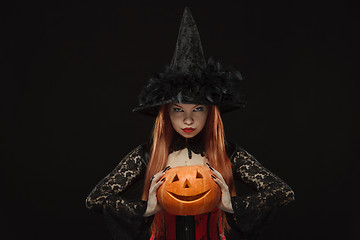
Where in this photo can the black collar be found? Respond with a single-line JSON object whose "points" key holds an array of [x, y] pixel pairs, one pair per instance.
{"points": [[195, 144]]}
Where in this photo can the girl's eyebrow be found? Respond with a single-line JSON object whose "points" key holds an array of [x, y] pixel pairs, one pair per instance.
{"points": [[181, 107], [177, 105]]}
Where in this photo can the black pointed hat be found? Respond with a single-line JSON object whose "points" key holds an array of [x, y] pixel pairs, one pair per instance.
{"points": [[188, 56], [190, 79]]}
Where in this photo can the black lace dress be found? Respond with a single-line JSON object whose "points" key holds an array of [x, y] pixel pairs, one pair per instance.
{"points": [[118, 195]]}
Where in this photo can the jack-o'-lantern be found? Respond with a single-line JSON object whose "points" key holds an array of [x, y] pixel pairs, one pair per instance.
{"points": [[188, 190]]}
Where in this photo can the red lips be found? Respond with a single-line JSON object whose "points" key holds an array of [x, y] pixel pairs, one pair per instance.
{"points": [[188, 130]]}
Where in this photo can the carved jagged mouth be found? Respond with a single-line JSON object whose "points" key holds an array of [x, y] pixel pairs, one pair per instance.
{"points": [[189, 198]]}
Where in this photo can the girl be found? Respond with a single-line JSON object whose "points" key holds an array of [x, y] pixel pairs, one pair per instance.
{"points": [[187, 100]]}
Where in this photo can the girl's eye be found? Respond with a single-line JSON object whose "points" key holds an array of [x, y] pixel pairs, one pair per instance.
{"points": [[178, 110], [198, 109]]}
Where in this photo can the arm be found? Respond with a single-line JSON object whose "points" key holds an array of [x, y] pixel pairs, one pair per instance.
{"points": [[108, 195], [251, 211]]}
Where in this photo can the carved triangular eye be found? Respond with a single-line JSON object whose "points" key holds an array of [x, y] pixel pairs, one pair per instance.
{"points": [[176, 178], [198, 175]]}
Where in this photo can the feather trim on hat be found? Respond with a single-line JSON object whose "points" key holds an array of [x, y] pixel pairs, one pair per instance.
{"points": [[214, 86]]}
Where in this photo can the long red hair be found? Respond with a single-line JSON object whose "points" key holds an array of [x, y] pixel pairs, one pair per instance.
{"points": [[214, 138]]}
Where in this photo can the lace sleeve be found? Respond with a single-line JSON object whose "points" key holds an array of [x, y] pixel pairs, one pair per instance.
{"points": [[108, 193], [252, 210]]}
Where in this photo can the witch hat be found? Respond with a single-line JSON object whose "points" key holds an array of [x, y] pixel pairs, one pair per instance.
{"points": [[190, 79], [189, 56]]}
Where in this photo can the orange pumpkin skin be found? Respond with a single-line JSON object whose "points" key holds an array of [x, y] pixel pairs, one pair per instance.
{"points": [[188, 190]]}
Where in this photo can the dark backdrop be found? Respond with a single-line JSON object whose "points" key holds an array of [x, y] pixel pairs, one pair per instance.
{"points": [[71, 73]]}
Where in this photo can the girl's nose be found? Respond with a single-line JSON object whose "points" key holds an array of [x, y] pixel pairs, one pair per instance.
{"points": [[188, 120]]}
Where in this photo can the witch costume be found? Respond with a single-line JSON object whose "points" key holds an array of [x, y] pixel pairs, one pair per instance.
{"points": [[190, 79]]}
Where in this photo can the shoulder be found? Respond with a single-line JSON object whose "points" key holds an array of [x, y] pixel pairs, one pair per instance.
{"points": [[235, 152], [233, 149], [142, 152], [138, 156]]}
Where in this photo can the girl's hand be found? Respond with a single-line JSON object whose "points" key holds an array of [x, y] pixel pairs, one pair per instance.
{"points": [[152, 203], [225, 201]]}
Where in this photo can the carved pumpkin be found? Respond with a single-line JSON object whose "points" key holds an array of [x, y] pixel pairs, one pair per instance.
{"points": [[188, 190]]}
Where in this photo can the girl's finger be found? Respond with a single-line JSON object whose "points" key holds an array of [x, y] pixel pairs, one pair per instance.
{"points": [[158, 175], [219, 182], [165, 169], [152, 178], [156, 178], [158, 184], [210, 167], [217, 174]]}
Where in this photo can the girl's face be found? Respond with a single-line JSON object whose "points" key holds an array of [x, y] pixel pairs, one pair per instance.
{"points": [[188, 119]]}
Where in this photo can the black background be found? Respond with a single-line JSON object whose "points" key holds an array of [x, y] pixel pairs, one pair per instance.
{"points": [[71, 73]]}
